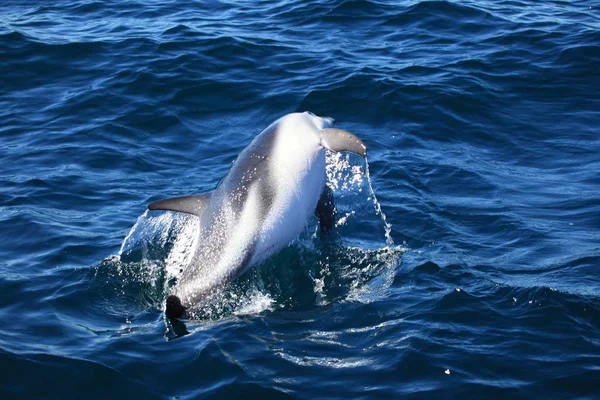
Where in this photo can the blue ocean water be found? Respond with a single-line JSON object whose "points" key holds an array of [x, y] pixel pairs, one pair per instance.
{"points": [[482, 122]]}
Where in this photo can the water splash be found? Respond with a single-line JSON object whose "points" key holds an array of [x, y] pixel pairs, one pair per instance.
{"points": [[344, 219], [185, 240], [169, 237], [377, 206], [241, 297], [344, 177], [129, 235], [254, 303], [365, 274], [341, 174], [355, 273]]}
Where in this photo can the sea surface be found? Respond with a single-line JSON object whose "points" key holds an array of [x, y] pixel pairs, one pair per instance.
{"points": [[465, 261]]}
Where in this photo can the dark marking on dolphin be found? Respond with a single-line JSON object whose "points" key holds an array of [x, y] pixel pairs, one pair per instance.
{"points": [[326, 210]]}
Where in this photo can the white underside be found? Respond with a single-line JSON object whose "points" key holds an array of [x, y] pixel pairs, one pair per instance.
{"points": [[295, 204], [295, 174]]}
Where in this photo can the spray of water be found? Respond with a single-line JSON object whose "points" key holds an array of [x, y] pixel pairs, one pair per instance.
{"points": [[342, 177], [128, 237], [377, 206], [367, 273]]}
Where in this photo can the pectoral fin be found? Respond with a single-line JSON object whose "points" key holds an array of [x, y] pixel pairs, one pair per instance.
{"points": [[340, 140], [326, 211], [186, 204]]}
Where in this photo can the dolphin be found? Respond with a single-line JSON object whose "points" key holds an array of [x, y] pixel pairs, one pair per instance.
{"points": [[276, 183]]}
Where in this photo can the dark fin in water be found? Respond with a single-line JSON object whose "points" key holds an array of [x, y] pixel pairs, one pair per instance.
{"points": [[186, 204], [340, 140], [326, 211], [174, 309], [179, 329]]}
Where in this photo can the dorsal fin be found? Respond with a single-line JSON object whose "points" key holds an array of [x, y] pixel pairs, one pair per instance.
{"points": [[186, 204]]}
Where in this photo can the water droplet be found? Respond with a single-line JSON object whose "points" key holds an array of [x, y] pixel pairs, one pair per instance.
{"points": [[387, 226]]}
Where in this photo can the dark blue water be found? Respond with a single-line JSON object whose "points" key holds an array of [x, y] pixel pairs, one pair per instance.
{"points": [[482, 122]]}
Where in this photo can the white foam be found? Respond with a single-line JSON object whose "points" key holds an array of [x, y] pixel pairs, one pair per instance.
{"points": [[255, 303]]}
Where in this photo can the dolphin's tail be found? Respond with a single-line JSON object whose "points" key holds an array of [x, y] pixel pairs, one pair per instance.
{"points": [[175, 309]]}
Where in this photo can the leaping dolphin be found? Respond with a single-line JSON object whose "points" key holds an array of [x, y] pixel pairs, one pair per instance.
{"points": [[261, 205]]}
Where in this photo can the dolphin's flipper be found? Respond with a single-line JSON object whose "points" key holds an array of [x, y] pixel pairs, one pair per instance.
{"points": [[340, 140], [174, 309], [326, 210], [186, 204]]}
